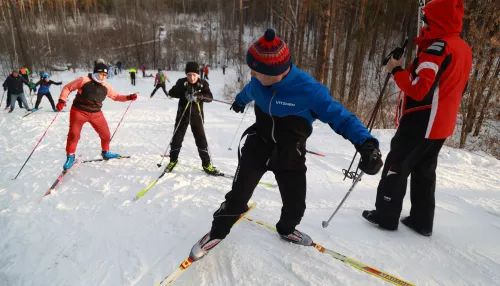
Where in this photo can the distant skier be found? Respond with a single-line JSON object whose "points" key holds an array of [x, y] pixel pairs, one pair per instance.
{"points": [[433, 86], [25, 72], [287, 102], [160, 79], [132, 73], [192, 92], [44, 90], [92, 91], [205, 70], [143, 69], [15, 92], [32, 87], [119, 67], [224, 69], [202, 70]]}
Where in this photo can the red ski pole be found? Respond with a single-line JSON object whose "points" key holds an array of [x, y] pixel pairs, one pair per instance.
{"points": [[121, 120], [37, 144]]}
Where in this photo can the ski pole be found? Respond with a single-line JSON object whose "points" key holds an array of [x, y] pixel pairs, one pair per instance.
{"points": [[231, 144], [325, 223], [121, 120], [37, 144], [175, 131], [2, 97], [221, 101], [395, 54], [317, 154]]}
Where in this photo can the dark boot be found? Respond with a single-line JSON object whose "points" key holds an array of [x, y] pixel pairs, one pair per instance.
{"points": [[409, 223], [375, 218]]}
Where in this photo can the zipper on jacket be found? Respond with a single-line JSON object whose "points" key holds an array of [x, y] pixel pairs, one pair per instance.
{"points": [[270, 114]]}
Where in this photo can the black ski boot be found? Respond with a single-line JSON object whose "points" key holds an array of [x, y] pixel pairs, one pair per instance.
{"points": [[409, 223], [374, 217]]}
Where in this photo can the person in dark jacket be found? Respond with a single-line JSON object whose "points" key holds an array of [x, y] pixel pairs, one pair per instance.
{"points": [[132, 73], [192, 92], [287, 102], [427, 114], [14, 86], [44, 90]]}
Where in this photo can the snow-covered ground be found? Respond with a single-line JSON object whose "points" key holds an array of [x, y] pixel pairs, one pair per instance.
{"points": [[89, 232]]}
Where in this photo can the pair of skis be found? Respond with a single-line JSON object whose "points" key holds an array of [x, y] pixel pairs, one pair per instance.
{"points": [[166, 171], [77, 161], [347, 260]]}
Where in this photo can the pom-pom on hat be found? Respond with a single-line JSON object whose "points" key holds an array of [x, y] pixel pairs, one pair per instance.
{"points": [[192, 67], [269, 55]]}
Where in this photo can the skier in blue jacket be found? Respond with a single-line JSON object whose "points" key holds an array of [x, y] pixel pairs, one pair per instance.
{"points": [[287, 102], [44, 90]]}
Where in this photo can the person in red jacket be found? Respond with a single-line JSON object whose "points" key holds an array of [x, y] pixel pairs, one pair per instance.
{"points": [[92, 91], [427, 113]]}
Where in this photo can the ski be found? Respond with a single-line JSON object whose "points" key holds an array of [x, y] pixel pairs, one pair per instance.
{"points": [[59, 179], [232, 177], [347, 260], [101, 159], [145, 190], [31, 112], [189, 261]]}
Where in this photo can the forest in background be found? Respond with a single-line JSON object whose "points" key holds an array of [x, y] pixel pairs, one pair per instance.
{"points": [[340, 42]]}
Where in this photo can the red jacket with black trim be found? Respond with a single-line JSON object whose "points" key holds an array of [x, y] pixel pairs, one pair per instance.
{"points": [[434, 83]]}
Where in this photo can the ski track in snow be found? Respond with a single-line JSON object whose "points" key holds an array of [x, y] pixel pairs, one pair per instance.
{"points": [[90, 231]]}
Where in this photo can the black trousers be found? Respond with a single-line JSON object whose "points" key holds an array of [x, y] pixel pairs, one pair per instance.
{"points": [[39, 99], [409, 156], [288, 165], [19, 101], [162, 85], [194, 117], [132, 79]]}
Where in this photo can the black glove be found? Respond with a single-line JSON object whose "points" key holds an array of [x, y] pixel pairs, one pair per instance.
{"points": [[396, 54], [371, 158], [237, 108]]}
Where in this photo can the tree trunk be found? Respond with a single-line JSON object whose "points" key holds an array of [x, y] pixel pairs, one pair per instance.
{"points": [[321, 61], [493, 87]]}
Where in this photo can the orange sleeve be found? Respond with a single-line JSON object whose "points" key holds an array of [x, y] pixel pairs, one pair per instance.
{"points": [[113, 94], [72, 86]]}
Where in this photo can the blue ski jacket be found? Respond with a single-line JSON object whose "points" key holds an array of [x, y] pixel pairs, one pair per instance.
{"points": [[45, 86], [286, 110]]}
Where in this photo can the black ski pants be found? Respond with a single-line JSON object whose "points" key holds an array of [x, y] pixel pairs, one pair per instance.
{"points": [[132, 78], [39, 99], [257, 157], [415, 156], [162, 85], [19, 101], [194, 117]]}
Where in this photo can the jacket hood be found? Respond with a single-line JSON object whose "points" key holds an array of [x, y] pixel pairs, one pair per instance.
{"points": [[444, 18]]}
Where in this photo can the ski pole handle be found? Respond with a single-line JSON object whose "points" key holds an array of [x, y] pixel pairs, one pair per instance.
{"points": [[397, 53]]}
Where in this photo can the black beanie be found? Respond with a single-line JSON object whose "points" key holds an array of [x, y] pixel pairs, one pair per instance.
{"points": [[192, 67], [100, 67]]}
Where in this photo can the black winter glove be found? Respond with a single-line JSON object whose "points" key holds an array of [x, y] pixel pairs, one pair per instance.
{"points": [[237, 108], [371, 158]]}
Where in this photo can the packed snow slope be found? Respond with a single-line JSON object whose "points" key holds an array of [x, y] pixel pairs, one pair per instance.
{"points": [[90, 232]]}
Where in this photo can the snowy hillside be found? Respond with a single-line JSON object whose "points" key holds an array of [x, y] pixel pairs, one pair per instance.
{"points": [[90, 232]]}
